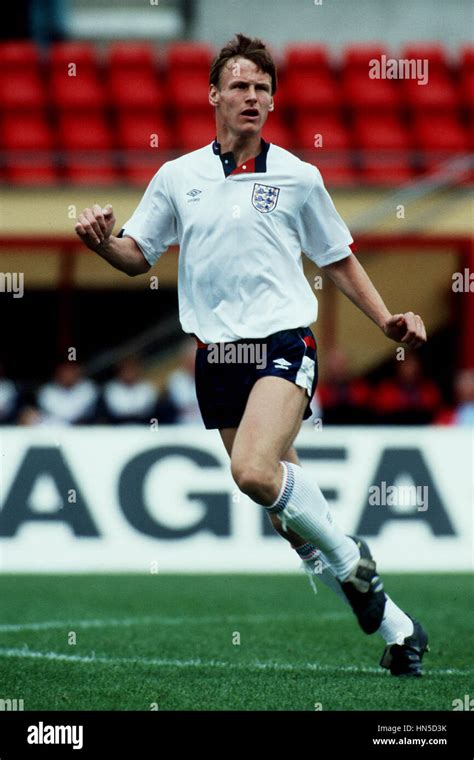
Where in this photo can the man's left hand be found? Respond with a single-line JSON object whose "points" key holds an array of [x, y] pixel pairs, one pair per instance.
{"points": [[406, 328]]}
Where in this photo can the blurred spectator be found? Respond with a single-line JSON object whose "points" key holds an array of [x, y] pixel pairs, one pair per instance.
{"points": [[409, 398], [71, 398], [9, 398], [128, 398], [181, 389], [30, 415], [463, 412], [344, 401]]}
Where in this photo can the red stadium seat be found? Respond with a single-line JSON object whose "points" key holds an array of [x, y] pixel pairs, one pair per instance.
{"points": [[440, 132], [307, 57], [135, 90], [80, 92], [84, 132], [384, 143], [137, 132], [434, 53], [440, 138], [275, 131], [381, 132], [132, 56], [30, 132], [194, 132], [467, 58], [189, 56], [467, 89], [438, 94], [19, 56], [82, 54], [188, 91], [22, 91], [320, 133], [357, 57], [309, 92], [326, 144], [361, 92], [136, 136]]}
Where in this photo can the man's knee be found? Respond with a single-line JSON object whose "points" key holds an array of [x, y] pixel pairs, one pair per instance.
{"points": [[254, 479]]}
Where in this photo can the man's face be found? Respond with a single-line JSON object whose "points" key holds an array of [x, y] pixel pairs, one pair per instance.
{"points": [[243, 98]]}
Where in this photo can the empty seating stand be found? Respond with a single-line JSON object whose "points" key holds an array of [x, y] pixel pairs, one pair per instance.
{"points": [[80, 114]]}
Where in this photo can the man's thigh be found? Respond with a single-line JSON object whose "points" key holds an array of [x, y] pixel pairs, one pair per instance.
{"points": [[228, 437], [271, 421]]}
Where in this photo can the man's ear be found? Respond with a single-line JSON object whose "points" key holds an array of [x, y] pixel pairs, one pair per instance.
{"points": [[272, 105], [212, 95]]}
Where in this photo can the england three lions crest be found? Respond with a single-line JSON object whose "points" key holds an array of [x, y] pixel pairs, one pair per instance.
{"points": [[265, 198]]}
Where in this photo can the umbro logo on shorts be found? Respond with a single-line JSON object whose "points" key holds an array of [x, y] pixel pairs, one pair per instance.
{"points": [[281, 363]]}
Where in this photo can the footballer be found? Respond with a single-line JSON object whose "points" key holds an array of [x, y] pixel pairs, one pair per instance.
{"points": [[243, 211]]}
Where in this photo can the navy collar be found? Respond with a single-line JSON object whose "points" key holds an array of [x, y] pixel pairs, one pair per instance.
{"points": [[228, 160]]}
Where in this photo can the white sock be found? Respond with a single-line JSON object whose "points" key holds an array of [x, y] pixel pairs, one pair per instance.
{"points": [[395, 626], [317, 567], [302, 507]]}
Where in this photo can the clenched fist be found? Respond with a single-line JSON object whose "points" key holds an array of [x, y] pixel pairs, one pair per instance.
{"points": [[94, 226], [406, 328]]}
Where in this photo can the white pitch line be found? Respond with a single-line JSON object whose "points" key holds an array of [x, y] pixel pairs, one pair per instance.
{"points": [[94, 659], [162, 620]]}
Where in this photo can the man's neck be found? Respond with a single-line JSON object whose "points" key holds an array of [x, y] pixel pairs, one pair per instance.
{"points": [[243, 148]]}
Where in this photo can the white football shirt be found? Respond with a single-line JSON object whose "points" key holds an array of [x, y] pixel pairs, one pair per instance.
{"points": [[241, 232]]}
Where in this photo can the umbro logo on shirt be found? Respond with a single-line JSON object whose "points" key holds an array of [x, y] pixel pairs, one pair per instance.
{"points": [[281, 363], [193, 193]]}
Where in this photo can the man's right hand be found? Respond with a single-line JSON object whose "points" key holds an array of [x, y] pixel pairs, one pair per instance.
{"points": [[94, 226]]}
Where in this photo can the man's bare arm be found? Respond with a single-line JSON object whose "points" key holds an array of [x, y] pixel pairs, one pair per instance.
{"points": [[94, 227], [351, 278]]}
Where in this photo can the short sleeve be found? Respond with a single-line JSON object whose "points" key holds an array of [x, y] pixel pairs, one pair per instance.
{"points": [[153, 223], [324, 236]]}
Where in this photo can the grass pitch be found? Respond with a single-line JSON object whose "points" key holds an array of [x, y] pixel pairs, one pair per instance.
{"points": [[216, 642]]}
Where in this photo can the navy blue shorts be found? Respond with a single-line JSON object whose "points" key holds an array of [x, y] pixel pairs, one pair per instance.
{"points": [[227, 372]]}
